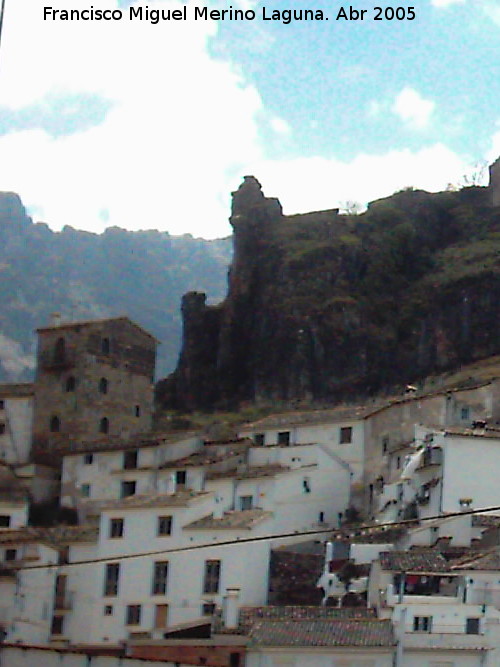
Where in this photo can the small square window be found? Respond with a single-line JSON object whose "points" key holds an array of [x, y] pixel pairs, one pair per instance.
{"points": [[4, 520], [472, 626], [246, 502], [108, 610], [208, 609], [133, 614], [345, 435], [128, 489], [10, 554], [115, 528], [284, 438], [88, 459], [422, 623], [259, 439], [164, 525]]}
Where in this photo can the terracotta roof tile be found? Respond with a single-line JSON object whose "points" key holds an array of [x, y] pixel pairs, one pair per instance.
{"points": [[323, 632], [179, 499], [413, 561], [244, 520]]}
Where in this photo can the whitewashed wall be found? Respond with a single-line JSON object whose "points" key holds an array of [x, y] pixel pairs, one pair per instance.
{"points": [[13, 656]]}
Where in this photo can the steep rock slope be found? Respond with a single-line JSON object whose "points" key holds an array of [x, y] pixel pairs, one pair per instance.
{"points": [[327, 307]]}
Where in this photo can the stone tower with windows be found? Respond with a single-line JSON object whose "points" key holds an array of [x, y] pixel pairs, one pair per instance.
{"points": [[94, 381]]}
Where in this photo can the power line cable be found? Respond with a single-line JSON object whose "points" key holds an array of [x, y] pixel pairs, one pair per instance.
{"points": [[350, 533]]}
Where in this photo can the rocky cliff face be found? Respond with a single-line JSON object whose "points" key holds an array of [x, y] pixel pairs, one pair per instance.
{"points": [[326, 307]]}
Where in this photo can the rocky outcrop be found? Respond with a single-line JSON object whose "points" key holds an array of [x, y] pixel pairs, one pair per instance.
{"points": [[327, 307]]}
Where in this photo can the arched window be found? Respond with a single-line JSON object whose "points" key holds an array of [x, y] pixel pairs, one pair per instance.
{"points": [[70, 384], [60, 350], [105, 346], [104, 425], [103, 386], [55, 424]]}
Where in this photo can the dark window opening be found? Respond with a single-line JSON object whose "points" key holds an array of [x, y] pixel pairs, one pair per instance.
{"points": [[164, 525], [116, 527], [70, 384], [88, 459], [137, 410], [133, 614], [128, 489], [246, 502], [105, 346], [55, 424], [208, 609], [284, 438], [103, 386], [112, 576], [321, 517], [180, 477], [385, 445], [57, 625], [160, 575], [2, 404], [60, 351], [212, 576], [306, 485], [472, 626], [104, 425], [10, 554], [464, 413], [234, 660], [2, 428], [130, 459], [422, 624], [259, 439], [85, 490], [108, 610], [345, 435]]}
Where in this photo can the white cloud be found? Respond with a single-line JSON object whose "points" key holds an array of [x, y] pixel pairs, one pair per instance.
{"points": [[413, 109], [308, 184]]}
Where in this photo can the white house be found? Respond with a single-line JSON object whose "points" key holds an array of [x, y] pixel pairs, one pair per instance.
{"points": [[16, 418]]}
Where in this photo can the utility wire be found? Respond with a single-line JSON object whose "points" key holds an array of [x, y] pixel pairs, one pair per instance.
{"points": [[339, 533]]}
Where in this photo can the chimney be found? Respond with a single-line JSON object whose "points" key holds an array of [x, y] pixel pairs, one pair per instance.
{"points": [[55, 319], [230, 608]]}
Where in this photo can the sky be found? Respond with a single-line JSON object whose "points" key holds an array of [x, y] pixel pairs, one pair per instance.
{"points": [[151, 126]]}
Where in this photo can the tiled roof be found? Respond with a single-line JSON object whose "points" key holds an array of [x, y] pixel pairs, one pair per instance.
{"points": [[251, 615], [484, 560], [86, 323], [199, 459], [16, 390], [488, 432], [244, 520], [333, 415], [413, 561], [323, 632], [57, 536], [270, 470], [179, 499], [486, 520], [110, 443]]}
